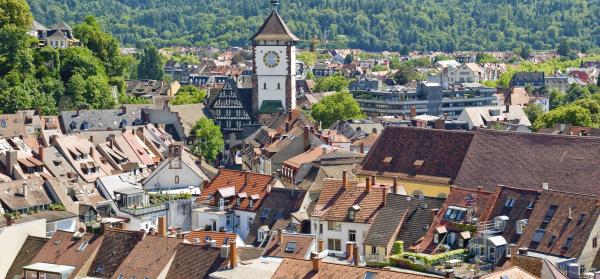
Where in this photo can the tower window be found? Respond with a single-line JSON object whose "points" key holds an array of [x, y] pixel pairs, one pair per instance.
{"points": [[265, 85], [278, 86]]}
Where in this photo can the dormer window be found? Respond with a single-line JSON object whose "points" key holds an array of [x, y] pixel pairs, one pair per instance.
{"points": [[510, 202], [251, 203], [455, 213], [352, 212], [521, 226]]}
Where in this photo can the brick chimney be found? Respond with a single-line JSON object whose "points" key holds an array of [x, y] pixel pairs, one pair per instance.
{"points": [[8, 220], [385, 191], [92, 139], [306, 137], [162, 226], [11, 161], [395, 185], [41, 153], [373, 181], [232, 254], [92, 152], [320, 245], [24, 191], [316, 262], [246, 178], [362, 148], [368, 184], [280, 236], [344, 179]]}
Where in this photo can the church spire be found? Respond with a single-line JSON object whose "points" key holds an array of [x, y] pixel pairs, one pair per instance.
{"points": [[275, 4]]}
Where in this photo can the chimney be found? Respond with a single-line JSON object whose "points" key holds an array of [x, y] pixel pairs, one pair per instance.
{"points": [[232, 254], [92, 151], [507, 109], [162, 226], [356, 255], [523, 251], [362, 148], [545, 186], [92, 139], [124, 109], [24, 192], [395, 185], [287, 126], [8, 220], [280, 236], [305, 135], [368, 184], [385, 190], [290, 116], [11, 161], [413, 111], [344, 179], [316, 262], [449, 273], [440, 124], [324, 149], [77, 112], [320, 245], [246, 178], [41, 153], [349, 248], [373, 183]]}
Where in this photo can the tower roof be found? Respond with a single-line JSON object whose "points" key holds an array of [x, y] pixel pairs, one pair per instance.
{"points": [[274, 29]]}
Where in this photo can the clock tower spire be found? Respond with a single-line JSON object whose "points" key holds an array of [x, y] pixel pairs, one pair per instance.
{"points": [[274, 65]]}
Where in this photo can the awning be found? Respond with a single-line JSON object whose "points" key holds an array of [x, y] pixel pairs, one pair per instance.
{"points": [[465, 235], [497, 240], [441, 230], [227, 192]]}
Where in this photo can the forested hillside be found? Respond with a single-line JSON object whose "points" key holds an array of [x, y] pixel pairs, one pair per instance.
{"points": [[368, 24]]}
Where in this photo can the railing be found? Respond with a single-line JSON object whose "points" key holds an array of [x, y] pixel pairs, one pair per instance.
{"points": [[145, 210], [210, 208]]}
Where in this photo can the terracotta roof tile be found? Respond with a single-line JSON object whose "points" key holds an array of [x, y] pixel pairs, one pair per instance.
{"points": [[256, 184], [149, 257], [295, 269], [441, 151], [297, 246], [195, 261], [203, 236], [574, 218], [334, 202], [115, 247]]}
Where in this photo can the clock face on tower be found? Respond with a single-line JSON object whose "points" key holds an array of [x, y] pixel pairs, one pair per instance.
{"points": [[271, 59]]}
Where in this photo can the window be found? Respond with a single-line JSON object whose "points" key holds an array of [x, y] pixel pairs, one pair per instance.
{"points": [[250, 220], [265, 213], [290, 247], [334, 244], [530, 205], [510, 203], [436, 238], [238, 201], [374, 250], [351, 214], [550, 213], [265, 85], [278, 86], [595, 242], [177, 179], [538, 235], [334, 226], [581, 218], [552, 241], [455, 213], [251, 203], [568, 243], [321, 228], [521, 226], [120, 276], [352, 235]]}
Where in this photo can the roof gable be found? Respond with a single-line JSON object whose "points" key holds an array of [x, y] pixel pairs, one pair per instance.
{"points": [[274, 29]]}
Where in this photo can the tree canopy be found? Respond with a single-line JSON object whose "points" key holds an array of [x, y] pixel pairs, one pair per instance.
{"points": [[208, 139], [331, 83], [188, 94], [372, 25], [339, 106], [150, 65]]}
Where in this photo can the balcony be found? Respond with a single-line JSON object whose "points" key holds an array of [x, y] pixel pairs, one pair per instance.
{"points": [[145, 210]]}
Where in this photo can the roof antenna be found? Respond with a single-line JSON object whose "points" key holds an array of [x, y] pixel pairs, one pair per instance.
{"points": [[275, 4]]}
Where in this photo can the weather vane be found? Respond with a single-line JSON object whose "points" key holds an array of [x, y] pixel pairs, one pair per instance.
{"points": [[275, 4]]}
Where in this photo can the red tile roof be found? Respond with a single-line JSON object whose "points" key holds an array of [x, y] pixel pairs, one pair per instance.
{"points": [[334, 202], [305, 244], [149, 257], [195, 261], [480, 201], [217, 236], [257, 184], [302, 269]]}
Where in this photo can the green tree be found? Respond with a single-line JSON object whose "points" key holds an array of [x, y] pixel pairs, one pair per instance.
{"points": [[74, 94], [348, 59], [570, 114], [15, 52], [14, 98], [486, 58], [102, 44], [309, 58], [16, 13], [339, 106], [150, 64], [188, 94], [557, 99], [335, 82], [564, 48], [97, 93], [80, 60], [525, 51], [406, 73], [576, 92], [533, 112], [208, 139]]}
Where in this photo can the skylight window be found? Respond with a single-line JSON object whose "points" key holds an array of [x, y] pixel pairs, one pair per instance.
{"points": [[455, 213], [510, 202], [539, 234], [291, 246], [550, 213], [568, 243], [82, 246]]}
